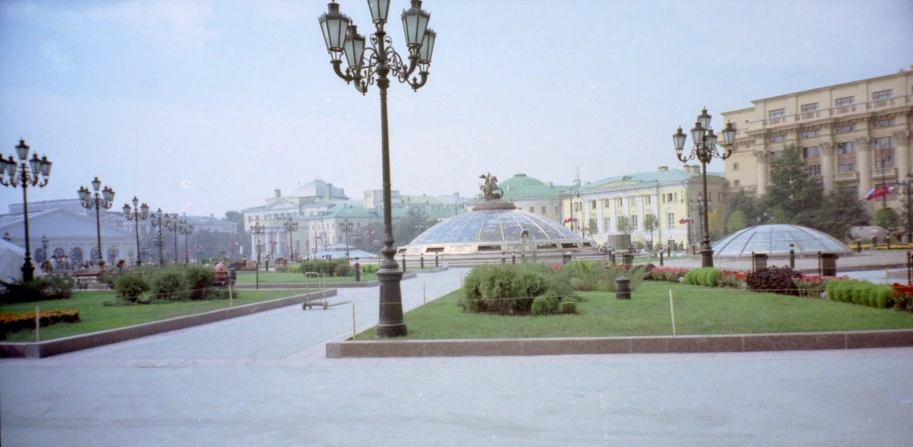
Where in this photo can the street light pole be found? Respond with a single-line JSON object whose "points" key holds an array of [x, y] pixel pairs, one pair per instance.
{"points": [[173, 225], [704, 150], [346, 228], [20, 174], [291, 226], [908, 183], [98, 201], [160, 220], [372, 65], [138, 213], [257, 229], [185, 229]]}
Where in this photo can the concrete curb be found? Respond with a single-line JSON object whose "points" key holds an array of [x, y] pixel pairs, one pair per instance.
{"points": [[623, 345], [95, 339]]}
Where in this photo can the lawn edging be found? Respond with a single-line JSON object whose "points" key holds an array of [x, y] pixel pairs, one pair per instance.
{"points": [[623, 345], [316, 285], [101, 338]]}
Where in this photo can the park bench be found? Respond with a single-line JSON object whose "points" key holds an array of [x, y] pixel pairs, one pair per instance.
{"points": [[84, 280]]}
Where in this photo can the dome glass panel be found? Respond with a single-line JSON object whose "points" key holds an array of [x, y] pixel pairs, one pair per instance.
{"points": [[775, 240]]}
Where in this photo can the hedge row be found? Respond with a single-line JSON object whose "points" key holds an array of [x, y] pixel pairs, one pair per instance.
{"points": [[861, 292], [704, 276], [18, 322], [193, 282], [516, 289], [333, 267]]}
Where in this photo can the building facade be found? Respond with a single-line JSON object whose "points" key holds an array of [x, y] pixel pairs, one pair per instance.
{"points": [[534, 196], [854, 136]]}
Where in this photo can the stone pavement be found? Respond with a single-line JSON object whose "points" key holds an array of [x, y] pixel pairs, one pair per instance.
{"points": [[262, 380]]}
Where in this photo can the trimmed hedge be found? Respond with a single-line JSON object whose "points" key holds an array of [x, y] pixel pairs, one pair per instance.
{"points": [[863, 293], [704, 276], [780, 280]]}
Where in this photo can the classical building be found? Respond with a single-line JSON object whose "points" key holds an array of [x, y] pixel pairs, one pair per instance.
{"points": [[854, 136], [534, 196], [620, 205]]}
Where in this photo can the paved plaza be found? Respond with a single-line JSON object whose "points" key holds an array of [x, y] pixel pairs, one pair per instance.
{"points": [[263, 380]]}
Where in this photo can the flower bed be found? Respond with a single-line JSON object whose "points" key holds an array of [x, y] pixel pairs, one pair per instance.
{"points": [[17, 322]]}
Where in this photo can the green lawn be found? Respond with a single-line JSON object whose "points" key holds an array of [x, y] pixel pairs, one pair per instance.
{"points": [[96, 317], [698, 311]]}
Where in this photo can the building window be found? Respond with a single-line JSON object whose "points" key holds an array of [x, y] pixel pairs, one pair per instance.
{"points": [[775, 155], [632, 202], [736, 183], [633, 223], [532, 210], [735, 166], [619, 202], [883, 122], [846, 166], [646, 200], [778, 113], [884, 153], [847, 147], [607, 224], [882, 94], [606, 203], [845, 129], [813, 170], [810, 133], [776, 138], [543, 210], [592, 204], [670, 220], [809, 107], [845, 101], [810, 152]]}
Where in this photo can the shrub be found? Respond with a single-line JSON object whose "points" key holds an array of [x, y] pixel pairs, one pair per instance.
{"points": [[568, 307], [200, 280], [774, 280], [167, 285], [543, 305], [342, 270], [513, 289], [130, 286], [48, 287], [370, 268]]}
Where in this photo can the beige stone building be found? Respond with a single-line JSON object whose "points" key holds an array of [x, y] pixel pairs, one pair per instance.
{"points": [[855, 136]]}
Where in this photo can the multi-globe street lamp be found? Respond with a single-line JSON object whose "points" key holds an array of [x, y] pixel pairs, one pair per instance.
{"points": [[160, 220], [346, 227], [257, 230], [290, 227], [173, 225], [136, 213], [105, 200], [370, 65], [35, 171], [704, 150], [698, 205], [186, 229]]}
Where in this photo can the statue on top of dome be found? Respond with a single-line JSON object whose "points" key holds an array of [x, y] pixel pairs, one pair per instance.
{"points": [[490, 189]]}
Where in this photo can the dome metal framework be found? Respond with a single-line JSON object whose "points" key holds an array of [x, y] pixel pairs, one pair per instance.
{"points": [[496, 228], [775, 240]]}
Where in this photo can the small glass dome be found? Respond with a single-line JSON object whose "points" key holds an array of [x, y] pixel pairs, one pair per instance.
{"points": [[774, 240]]}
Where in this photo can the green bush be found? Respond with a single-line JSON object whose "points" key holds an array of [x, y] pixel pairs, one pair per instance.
{"points": [[343, 270], [704, 276], [200, 280], [568, 307], [513, 289], [543, 305], [48, 287], [130, 286], [167, 285], [370, 268]]}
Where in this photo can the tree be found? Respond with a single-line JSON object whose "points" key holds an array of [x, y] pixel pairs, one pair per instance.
{"points": [[415, 222], [749, 206], [624, 224], [243, 240], [791, 188], [650, 225], [593, 227], [716, 225], [736, 221], [837, 213], [886, 218]]}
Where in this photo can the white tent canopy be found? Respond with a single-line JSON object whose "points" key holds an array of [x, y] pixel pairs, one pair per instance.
{"points": [[11, 259]]}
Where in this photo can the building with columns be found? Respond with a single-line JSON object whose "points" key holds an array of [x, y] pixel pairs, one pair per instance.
{"points": [[854, 136]]}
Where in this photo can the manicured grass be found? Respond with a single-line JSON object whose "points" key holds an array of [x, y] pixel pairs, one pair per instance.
{"points": [[698, 311], [96, 317], [296, 278]]}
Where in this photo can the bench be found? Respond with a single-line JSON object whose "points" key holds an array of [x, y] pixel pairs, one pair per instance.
{"points": [[223, 280], [84, 280]]}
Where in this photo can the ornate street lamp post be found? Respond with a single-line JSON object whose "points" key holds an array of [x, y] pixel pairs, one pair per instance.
{"points": [[698, 205], [173, 224], [346, 227], [704, 150], [908, 189], [364, 64], [137, 213], [98, 201], [185, 229], [290, 227], [160, 219], [257, 229], [22, 173]]}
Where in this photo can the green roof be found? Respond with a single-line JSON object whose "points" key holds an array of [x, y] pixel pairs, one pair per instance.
{"points": [[653, 177], [521, 187]]}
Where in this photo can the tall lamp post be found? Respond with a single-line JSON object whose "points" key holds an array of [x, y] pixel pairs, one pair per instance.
{"points": [[160, 219], [908, 189], [704, 150], [173, 224], [346, 227], [372, 65], [185, 229], [98, 201], [290, 227], [137, 213], [22, 173], [698, 205], [257, 229]]}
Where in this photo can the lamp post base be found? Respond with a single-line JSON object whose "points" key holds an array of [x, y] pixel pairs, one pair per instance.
{"points": [[706, 256], [390, 322], [28, 270]]}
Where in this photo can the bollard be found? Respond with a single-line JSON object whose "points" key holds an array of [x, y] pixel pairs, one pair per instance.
{"points": [[792, 257], [513, 258], [909, 269], [404, 263], [357, 271], [503, 258], [858, 245], [435, 260], [612, 255], [669, 251], [421, 261], [660, 258], [566, 257], [628, 259], [622, 288]]}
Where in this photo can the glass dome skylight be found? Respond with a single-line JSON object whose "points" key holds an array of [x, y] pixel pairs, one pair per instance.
{"points": [[775, 239]]}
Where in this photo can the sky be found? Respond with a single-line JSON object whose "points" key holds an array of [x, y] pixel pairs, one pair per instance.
{"points": [[209, 106]]}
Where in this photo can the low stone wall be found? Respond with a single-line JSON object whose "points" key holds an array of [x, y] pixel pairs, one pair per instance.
{"points": [[85, 341], [623, 345]]}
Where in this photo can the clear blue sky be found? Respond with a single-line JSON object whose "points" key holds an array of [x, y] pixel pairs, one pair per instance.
{"points": [[208, 106]]}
